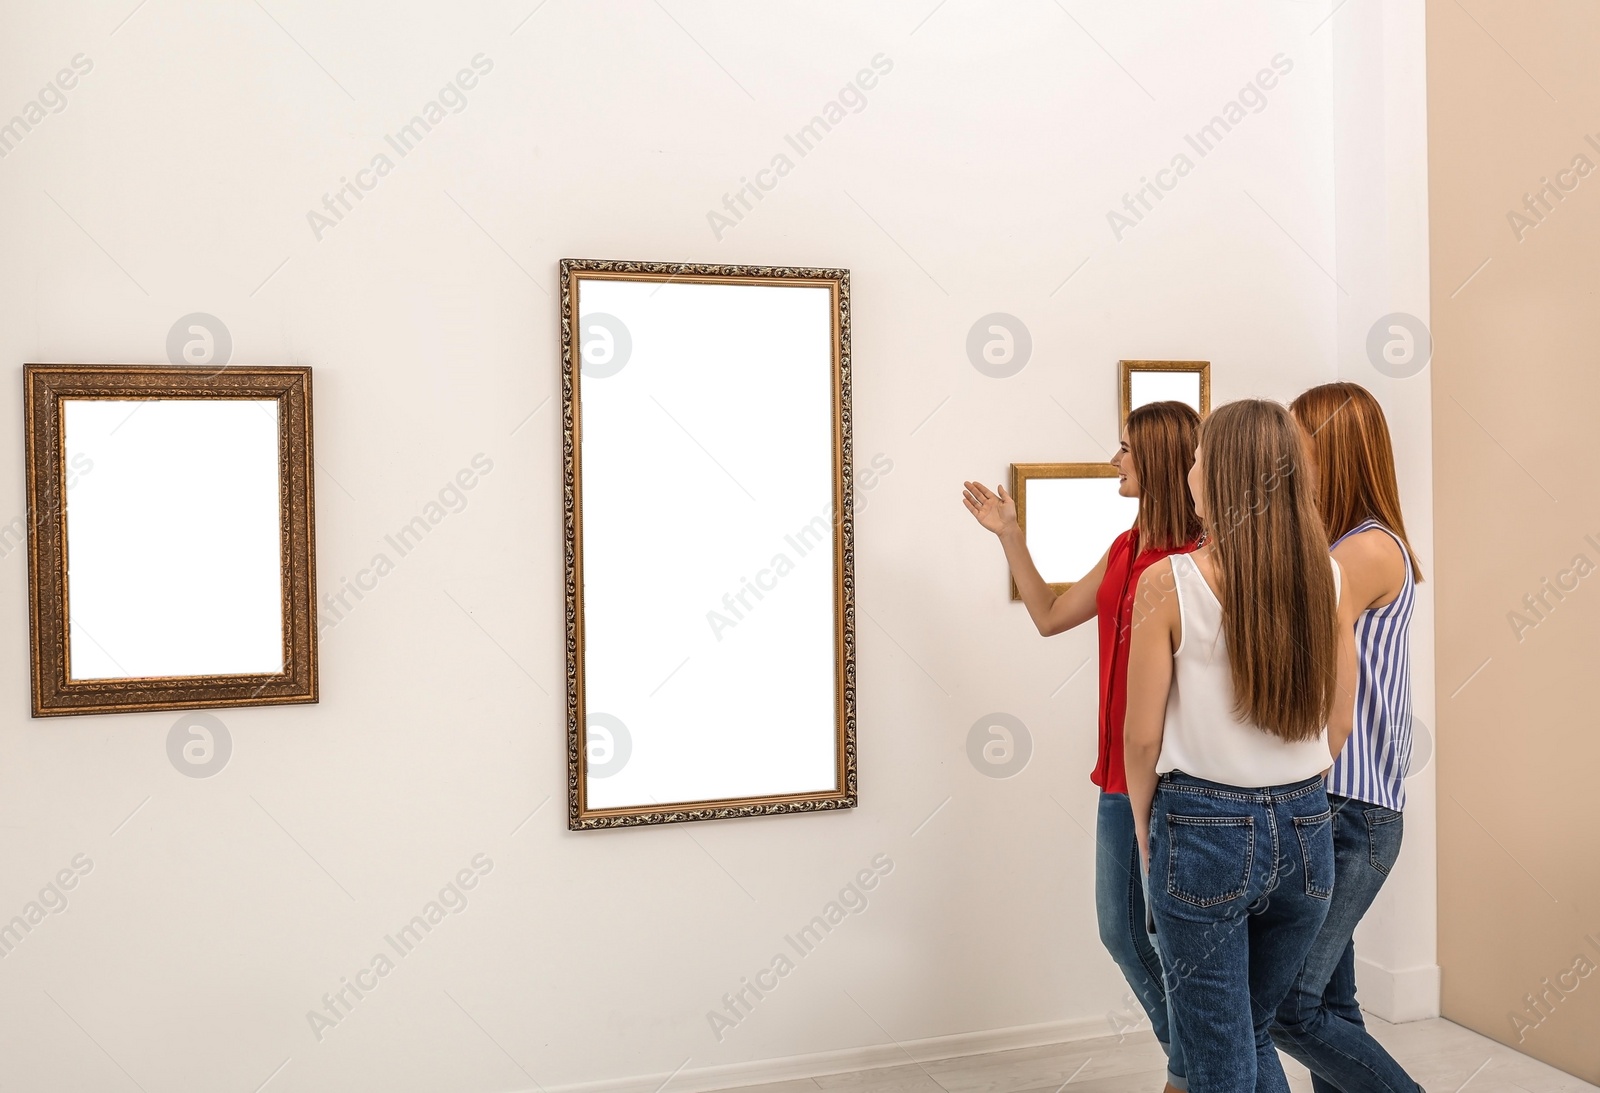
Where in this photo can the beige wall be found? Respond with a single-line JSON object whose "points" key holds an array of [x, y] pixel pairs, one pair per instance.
{"points": [[1516, 390]]}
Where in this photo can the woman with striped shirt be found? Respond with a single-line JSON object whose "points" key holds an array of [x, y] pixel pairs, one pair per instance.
{"points": [[1318, 1021]]}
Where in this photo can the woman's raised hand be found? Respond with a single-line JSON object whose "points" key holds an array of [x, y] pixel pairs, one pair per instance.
{"points": [[997, 512]]}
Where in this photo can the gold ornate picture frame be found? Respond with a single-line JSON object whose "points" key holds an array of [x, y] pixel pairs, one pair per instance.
{"points": [[47, 387], [582, 812], [1095, 521], [1125, 381]]}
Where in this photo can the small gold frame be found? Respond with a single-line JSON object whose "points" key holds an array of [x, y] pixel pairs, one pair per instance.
{"points": [[1021, 472], [54, 691], [579, 815], [1126, 369]]}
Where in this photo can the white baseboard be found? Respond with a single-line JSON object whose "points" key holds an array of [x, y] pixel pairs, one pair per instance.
{"points": [[1408, 994], [703, 1079]]}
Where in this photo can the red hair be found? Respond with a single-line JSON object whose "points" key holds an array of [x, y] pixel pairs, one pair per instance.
{"points": [[1349, 438]]}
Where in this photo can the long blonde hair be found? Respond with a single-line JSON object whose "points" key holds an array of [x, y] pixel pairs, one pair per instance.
{"points": [[1279, 608]]}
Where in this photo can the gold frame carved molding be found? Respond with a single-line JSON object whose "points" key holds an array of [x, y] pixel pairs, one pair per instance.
{"points": [[837, 281], [1022, 472], [54, 691], [1125, 370]]}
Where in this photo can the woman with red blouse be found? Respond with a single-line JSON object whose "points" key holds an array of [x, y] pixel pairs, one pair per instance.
{"points": [[1158, 445]]}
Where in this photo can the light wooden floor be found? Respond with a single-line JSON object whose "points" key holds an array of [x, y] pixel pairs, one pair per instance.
{"points": [[1442, 1056]]}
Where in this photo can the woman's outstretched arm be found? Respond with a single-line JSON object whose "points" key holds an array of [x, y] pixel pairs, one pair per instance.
{"points": [[1052, 613]]}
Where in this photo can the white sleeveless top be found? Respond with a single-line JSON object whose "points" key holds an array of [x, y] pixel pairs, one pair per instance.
{"points": [[1203, 738]]}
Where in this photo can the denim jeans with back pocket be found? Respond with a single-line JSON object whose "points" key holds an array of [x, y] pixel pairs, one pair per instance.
{"points": [[1318, 1021], [1120, 905], [1240, 882]]}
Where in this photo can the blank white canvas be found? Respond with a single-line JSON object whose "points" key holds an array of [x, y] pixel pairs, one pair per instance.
{"points": [[173, 559], [702, 460], [1071, 522], [1152, 386]]}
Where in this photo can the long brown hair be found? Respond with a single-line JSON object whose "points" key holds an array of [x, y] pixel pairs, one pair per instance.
{"points": [[1355, 460], [1279, 608], [1161, 440]]}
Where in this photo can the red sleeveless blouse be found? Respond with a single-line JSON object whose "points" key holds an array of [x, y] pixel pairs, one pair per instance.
{"points": [[1114, 604]]}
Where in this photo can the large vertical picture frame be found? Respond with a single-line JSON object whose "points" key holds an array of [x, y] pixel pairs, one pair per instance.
{"points": [[176, 569], [709, 535]]}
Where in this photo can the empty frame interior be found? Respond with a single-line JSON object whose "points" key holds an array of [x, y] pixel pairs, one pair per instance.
{"points": [[1069, 513], [170, 538], [710, 613], [1141, 382]]}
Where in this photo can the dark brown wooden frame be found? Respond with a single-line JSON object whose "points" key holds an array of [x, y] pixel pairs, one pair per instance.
{"points": [[44, 388], [579, 815], [1021, 472]]}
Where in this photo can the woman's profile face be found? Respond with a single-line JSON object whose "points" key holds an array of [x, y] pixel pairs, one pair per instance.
{"points": [[1197, 482], [1127, 477]]}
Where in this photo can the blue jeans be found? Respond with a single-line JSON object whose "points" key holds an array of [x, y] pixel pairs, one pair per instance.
{"points": [[1119, 905], [1240, 881], [1319, 1022]]}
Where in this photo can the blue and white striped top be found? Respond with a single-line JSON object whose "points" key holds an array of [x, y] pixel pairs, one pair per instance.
{"points": [[1372, 766]]}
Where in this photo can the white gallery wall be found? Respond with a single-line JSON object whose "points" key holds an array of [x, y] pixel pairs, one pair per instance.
{"points": [[258, 166], [1381, 218]]}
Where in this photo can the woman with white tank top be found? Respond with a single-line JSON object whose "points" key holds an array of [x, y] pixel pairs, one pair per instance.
{"points": [[1241, 679]]}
